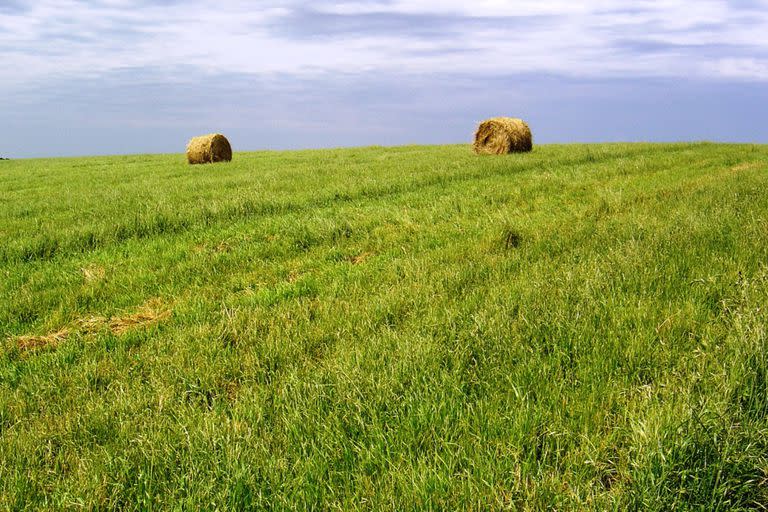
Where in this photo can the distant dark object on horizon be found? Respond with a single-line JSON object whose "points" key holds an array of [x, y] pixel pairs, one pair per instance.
{"points": [[1, 158]]}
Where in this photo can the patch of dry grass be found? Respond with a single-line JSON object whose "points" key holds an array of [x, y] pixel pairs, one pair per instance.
{"points": [[151, 312], [360, 258], [38, 342], [93, 273]]}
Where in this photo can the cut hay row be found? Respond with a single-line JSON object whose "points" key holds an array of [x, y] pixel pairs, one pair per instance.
{"points": [[48, 340], [149, 313]]}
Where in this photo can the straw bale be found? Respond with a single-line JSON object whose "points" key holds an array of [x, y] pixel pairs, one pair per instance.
{"points": [[502, 135], [213, 147]]}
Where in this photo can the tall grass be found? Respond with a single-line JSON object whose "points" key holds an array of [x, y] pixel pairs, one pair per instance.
{"points": [[578, 328]]}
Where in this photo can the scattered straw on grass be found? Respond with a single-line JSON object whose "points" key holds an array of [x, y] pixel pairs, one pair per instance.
{"points": [[91, 324], [223, 246], [151, 312], [37, 342], [747, 166], [502, 135], [93, 273], [360, 258]]}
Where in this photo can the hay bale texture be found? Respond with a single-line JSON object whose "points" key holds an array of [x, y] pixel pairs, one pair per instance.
{"points": [[502, 135], [205, 149]]}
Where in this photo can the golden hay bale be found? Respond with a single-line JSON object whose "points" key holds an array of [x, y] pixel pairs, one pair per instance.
{"points": [[209, 148], [502, 135]]}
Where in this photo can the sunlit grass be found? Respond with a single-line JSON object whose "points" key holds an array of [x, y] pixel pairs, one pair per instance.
{"points": [[582, 327]]}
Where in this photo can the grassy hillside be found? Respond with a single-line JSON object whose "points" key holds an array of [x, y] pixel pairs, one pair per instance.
{"points": [[582, 327]]}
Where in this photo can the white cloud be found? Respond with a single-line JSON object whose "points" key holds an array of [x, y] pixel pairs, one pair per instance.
{"points": [[54, 38], [749, 69]]}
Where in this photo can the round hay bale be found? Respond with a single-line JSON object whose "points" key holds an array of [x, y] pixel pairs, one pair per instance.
{"points": [[205, 149], [502, 135]]}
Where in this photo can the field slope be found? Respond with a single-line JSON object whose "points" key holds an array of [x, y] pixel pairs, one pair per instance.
{"points": [[582, 327]]}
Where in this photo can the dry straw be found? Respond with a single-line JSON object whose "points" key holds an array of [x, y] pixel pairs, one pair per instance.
{"points": [[151, 312], [502, 135], [205, 149], [35, 342]]}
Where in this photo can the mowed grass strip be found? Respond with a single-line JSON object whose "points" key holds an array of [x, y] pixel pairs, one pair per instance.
{"points": [[415, 328]]}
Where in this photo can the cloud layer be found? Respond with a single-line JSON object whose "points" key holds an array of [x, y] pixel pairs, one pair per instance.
{"points": [[310, 66], [647, 38]]}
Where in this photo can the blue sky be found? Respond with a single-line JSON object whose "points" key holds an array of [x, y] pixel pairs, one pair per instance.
{"points": [[113, 76]]}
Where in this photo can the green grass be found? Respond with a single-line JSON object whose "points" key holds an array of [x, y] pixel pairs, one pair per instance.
{"points": [[414, 328]]}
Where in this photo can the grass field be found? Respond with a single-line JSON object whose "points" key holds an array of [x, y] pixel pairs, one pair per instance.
{"points": [[582, 327]]}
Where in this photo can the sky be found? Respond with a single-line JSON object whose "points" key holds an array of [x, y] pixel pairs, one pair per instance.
{"points": [[119, 77]]}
